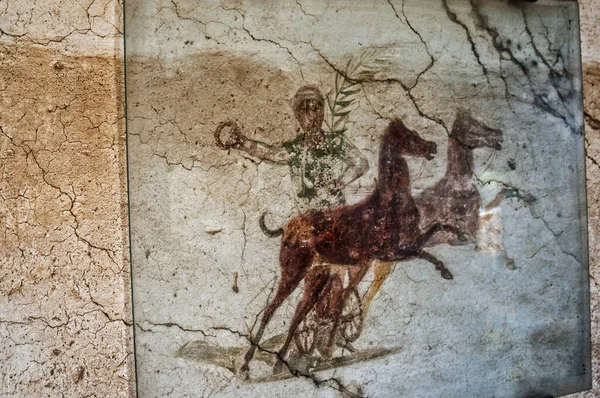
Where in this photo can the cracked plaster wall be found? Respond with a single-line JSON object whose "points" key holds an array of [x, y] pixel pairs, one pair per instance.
{"points": [[64, 275], [194, 207], [64, 313], [590, 37]]}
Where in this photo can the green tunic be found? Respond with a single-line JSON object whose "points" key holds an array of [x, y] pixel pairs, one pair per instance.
{"points": [[317, 172]]}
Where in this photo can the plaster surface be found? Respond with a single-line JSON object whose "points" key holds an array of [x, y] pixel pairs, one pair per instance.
{"points": [[36, 354], [64, 276], [590, 14], [510, 323]]}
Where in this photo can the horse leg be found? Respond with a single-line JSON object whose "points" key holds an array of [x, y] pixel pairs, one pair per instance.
{"points": [[294, 268], [314, 283], [438, 264], [283, 292], [335, 307], [382, 269], [435, 228], [356, 274]]}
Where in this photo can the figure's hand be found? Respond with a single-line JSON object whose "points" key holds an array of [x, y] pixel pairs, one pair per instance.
{"points": [[228, 135], [307, 192]]}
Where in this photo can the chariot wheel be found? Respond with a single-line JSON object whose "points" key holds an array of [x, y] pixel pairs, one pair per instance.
{"points": [[322, 337], [351, 321], [306, 334]]}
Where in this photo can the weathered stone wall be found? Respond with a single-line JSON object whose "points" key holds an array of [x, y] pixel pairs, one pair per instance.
{"points": [[65, 317]]}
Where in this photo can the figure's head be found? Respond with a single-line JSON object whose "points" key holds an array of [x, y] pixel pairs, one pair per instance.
{"points": [[309, 108], [474, 134]]}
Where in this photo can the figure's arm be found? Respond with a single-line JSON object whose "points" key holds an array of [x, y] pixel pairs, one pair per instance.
{"points": [[264, 151], [356, 165], [228, 135]]}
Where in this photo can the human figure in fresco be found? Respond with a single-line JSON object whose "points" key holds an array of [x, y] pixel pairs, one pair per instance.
{"points": [[321, 162]]}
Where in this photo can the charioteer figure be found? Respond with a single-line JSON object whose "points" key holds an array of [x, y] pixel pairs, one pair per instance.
{"points": [[321, 162]]}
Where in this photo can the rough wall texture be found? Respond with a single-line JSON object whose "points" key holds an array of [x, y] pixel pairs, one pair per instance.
{"points": [[64, 310], [189, 201], [590, 35], [64, 275]]}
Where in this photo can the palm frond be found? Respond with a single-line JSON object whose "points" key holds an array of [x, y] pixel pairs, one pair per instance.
{"points": [[345, 97]]}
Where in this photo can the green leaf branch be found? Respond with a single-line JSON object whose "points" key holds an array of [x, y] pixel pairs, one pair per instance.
{"points": [[343, 99]]}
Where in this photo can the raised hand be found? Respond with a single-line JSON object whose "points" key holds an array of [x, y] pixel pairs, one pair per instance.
{"points": [[228, 135]]}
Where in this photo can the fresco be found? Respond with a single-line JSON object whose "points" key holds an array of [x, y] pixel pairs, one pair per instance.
{"points": [[357, 199]]}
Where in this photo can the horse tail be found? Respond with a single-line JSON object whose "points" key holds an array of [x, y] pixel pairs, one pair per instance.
{"points": [[270, 233]]}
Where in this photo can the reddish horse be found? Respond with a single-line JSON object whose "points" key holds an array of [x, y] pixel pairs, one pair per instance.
{"points": [[384, 227], [454, 199]]}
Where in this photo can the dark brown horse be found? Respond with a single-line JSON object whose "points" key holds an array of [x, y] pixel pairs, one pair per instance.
{"points": [[454, 200], [384, 226]]}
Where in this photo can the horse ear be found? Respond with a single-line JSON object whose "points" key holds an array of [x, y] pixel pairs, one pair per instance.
{"points": [[399, 123], [396, 126], [462, 113]]}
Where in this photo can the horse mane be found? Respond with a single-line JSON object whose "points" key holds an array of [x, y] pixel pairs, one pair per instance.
{"points": [[392, 168]]}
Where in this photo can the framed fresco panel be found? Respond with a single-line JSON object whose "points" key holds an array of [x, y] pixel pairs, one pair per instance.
{"points": [[376, 198]]}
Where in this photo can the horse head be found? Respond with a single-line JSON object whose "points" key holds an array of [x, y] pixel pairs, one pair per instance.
{"points": [[398, 141], [408, 142], [475, 134]]}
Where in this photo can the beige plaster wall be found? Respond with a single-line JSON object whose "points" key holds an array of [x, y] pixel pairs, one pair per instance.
{"points": [[65, 319]]}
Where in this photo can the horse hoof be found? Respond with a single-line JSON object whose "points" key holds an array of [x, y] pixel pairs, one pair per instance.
{"points": [[447, 274], [245, 372], [346, 346], [464, 238], [278, 367]]}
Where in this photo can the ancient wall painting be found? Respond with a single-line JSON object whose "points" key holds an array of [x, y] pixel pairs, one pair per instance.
{"points": [[357, 199]]}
